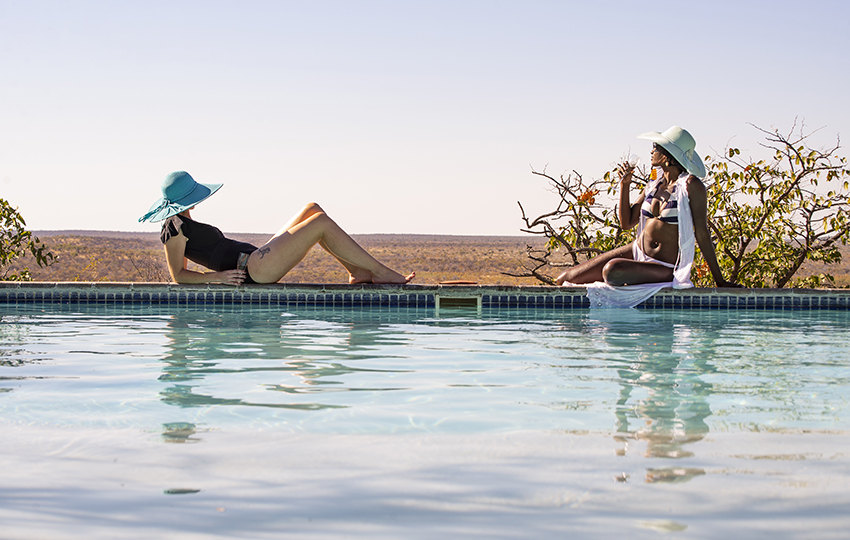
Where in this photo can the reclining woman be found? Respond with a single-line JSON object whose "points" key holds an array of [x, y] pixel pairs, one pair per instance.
{"points": [[187, 239], [670, 213]]}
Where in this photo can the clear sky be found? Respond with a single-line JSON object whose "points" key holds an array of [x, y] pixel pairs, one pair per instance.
{"points": [[396, 116]]}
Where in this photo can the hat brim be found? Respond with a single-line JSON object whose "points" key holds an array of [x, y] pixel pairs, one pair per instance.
{"points": [[164, 209], [693, 165]]}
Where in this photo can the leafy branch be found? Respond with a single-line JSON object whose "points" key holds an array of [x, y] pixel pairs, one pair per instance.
{"points": [[772, 215], [583, 225], [16, 241]]}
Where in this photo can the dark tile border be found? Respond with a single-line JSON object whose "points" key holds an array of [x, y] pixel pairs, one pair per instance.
{"points": [[404, 296]]}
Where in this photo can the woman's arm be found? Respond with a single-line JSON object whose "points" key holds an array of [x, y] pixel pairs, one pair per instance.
{"points": [[699, 210], [628, 214], [175, 256]]}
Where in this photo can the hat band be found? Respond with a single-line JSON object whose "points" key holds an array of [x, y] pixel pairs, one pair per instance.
{"points": [[166, 204]]}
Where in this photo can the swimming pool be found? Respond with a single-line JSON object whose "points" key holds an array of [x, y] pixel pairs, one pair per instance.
{"points": [[256, 421]]}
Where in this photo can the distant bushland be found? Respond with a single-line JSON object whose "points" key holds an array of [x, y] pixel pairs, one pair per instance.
{"points": [[139, 257]]}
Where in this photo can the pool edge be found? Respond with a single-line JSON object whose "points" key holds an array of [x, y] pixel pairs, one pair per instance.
{"points": [[410, 295]]}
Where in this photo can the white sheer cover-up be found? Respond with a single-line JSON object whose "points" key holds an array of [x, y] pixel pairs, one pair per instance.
{"points": [[603, 295]]}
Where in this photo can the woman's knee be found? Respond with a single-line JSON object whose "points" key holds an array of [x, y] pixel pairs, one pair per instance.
{"points": [[312, 208], [615, 272]]}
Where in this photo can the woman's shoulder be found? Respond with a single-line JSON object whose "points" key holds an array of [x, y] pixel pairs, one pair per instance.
{"points": [[696, 191], [171, 227], [694, 184]]}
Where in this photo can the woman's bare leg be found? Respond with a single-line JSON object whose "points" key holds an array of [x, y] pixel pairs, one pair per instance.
{"points": [[590, 271], [312, 226], [309, 210], [619, 272]]}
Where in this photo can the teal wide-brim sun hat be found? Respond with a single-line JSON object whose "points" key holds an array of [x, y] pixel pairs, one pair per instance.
{"points": [[179, 192], [681, 146]]}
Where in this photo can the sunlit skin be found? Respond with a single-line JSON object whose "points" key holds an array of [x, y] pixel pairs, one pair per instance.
{"points": [[659, 240], [287, 248]]}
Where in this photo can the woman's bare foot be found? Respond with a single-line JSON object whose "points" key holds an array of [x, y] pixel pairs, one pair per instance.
{"points": [[359, 276], [388, 277], [407, 279], [562, 278]]}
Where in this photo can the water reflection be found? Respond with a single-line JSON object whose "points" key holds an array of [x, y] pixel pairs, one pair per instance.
{"points": [[662, 399], [672, 475], [14, 331], [179, 433], [294, 360]]}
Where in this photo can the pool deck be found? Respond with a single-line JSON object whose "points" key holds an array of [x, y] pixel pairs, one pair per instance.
{"points": [[405, 296]]}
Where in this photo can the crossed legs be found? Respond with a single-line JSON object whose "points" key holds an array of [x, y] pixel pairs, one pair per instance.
{"points": [[309, 227]]}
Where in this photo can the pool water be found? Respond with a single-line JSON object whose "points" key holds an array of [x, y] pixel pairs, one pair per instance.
{"points": [[405, 422]]}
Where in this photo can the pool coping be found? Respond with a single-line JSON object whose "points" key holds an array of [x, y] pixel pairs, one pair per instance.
{"points": [[404, 296]]}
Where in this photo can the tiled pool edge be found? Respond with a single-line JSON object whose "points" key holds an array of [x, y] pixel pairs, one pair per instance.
{"points": [[404, 296]]}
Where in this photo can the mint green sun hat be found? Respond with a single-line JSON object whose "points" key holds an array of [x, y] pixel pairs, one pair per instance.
{"points": [[681, 146], [179, 192]]}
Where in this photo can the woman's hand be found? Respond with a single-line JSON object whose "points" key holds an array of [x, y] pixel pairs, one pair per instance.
{"points": [[229, 277], [625, 170]]}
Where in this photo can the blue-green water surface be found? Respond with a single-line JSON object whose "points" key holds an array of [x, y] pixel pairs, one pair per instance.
{"points": [[669, 377]]}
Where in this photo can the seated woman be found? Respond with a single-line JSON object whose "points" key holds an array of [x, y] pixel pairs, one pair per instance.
{"points": [[670, 214], [185, 238]]}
